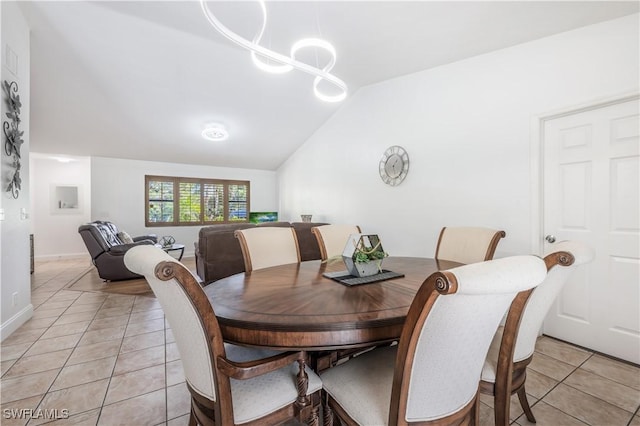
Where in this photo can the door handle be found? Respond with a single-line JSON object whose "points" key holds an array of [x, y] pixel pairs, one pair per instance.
{"points": [[550, 239]]}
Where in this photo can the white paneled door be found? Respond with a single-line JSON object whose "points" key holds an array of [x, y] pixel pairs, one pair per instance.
{"points": [[592, 194]]}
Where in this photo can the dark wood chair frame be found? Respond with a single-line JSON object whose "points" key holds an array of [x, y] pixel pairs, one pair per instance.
{"points": [[510, 376], [491, 249], [220, 412], [439, 283]]}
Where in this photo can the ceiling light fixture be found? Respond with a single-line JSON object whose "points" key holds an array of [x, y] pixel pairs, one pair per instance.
{"points": [[215, 132], [287, 63]]}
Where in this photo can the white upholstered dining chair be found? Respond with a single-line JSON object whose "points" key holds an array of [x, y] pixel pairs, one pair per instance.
{"points": [[505, 369], [468, 244], [333, 238], [229, 384], [268, 246], [432, 375]]}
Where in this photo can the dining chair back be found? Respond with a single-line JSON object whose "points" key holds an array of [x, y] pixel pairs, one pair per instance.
{"points": [[263, 247], [468, 244], [333, 238], [228, 384], [432, 375], [511, 351]]}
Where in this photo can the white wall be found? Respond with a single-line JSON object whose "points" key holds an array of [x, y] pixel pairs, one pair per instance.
{"points": [[14, 229], [466, 127], [55, 230], [117, 193]]}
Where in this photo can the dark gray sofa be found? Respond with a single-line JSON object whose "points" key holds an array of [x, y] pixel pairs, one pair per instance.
{"points": [[218, 252]]}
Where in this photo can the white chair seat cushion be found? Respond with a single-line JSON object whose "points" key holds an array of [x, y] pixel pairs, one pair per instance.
{"points": [[490, 367], [256, 397], [363, 385]]}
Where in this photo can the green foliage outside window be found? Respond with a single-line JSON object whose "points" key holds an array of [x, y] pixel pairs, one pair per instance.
{"points": [[238, 200], [214, 202], [190, 202], [160, 201]]}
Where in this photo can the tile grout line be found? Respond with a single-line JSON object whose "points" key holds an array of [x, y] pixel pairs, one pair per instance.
{"points": [[113, 369], [635, 413], [554, 387], [31, 345], [118, 355], [71, 353], [603, 377], [38, 339], [563, 381]]}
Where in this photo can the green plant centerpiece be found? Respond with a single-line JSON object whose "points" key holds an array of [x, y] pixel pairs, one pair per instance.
{"points": [[363, 255]]}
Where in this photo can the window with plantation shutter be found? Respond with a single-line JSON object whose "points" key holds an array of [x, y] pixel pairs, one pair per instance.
{"points": [[213, 194], [178, 201], [160, 201], [238, 203]]}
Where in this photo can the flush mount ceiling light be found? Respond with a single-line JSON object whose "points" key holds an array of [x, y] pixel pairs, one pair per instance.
{"points": [[215, 132], [287, 63]]}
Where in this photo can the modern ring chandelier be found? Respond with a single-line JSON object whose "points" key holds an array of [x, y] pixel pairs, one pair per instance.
{"points": [[286, 63]]}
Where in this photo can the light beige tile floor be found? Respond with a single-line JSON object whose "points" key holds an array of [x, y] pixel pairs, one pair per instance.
{"points": [[109, 359]]}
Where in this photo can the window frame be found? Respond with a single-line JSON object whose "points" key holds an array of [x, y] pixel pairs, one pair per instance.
{"points": [[176, 181]]}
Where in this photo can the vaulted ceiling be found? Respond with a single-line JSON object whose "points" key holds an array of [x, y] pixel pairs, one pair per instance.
{"points": [[140, 79]]}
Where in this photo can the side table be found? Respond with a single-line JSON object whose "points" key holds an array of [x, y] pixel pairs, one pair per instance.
{"points": [[173, 247]]}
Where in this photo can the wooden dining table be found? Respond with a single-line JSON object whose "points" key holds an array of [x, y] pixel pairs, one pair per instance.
{"points": [[294, 307]]}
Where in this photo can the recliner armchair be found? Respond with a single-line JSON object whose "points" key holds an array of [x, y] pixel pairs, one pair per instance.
{"points": [[107, 249]]}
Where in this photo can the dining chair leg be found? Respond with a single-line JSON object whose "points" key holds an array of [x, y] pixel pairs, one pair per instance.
{"points": [[501, 407], [476, 411], [327, 413], [314, 419], [192, 419], [522, 396]]}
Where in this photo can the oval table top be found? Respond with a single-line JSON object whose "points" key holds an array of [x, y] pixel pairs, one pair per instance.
{"points": [[294, 307]]}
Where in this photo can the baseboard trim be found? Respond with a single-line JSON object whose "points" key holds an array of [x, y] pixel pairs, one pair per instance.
{"points": [[13, 323]]}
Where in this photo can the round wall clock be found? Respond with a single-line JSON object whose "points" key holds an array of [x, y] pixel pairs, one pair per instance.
{"points": [[394, 165]]}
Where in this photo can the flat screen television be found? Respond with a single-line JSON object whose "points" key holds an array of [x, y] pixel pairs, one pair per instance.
{"points": [[259, 217]]}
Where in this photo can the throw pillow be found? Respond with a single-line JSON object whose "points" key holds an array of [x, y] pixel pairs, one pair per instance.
{"points": [[124, 237]]}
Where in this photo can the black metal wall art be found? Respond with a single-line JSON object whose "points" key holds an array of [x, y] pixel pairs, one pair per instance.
{"points": [[13, 135]]}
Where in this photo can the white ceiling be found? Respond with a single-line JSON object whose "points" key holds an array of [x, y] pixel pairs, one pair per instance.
{"points": [[140, 79]]}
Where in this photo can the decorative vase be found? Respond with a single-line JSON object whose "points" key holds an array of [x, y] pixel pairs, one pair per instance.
{"points": [[306, 217]]}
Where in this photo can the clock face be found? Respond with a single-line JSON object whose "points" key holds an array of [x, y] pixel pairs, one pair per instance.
{"points": [[394, 165]]}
